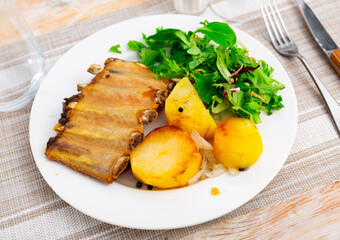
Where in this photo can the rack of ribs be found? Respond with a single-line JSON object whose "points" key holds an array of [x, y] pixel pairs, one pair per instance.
{"points": [[104, 121]]}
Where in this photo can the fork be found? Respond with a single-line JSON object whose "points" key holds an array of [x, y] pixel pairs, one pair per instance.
{"points": [[285, 45]]}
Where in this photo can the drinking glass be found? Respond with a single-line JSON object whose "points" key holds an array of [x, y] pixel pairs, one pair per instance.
{"points": [[21, 59], [190, 6], [238, 11]]}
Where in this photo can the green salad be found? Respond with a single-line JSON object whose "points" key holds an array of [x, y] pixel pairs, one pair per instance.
{"points": [[224, 75]]}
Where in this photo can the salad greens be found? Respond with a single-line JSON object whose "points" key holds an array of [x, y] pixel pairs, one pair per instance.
{"points": [[224, 76], [115, 49]]}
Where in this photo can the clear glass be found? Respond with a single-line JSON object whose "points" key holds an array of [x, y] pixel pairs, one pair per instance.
{"points": [[190, 6], [238, 11], [21, 59]]}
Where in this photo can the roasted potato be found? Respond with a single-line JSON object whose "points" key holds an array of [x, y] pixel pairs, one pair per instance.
{"points": [[184, 109], [237, 143], [167, 158]]}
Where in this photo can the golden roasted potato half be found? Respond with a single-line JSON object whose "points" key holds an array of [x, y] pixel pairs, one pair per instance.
{"points": [[237, 143], [167, 158], [185, 109]]}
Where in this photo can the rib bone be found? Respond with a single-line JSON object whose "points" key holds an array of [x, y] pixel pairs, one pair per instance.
{"points": [[135, 139], [161, 95], [171, 85], [142, 65], [108, 61], [95, 69], [80, 87], [149, 116], [121, 164], [58, 127]]}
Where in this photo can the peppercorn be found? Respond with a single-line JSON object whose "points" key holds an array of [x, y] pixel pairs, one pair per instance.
{"points": [[180, 109], [139, 184], [150, 187]]}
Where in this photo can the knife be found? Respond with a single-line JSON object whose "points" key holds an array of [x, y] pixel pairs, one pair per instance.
{"points": [[321, 36]]}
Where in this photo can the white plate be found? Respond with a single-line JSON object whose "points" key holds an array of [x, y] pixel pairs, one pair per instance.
{"points": [[121, 203]]}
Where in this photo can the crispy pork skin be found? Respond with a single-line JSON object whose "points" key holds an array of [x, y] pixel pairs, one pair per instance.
{"points": [[99, 126]]}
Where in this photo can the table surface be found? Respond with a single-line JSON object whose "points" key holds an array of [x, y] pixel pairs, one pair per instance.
{"points": [[309, 215], [49, 15]]}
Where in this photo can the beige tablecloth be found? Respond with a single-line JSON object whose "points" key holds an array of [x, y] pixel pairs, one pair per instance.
{"points": [[29, 209]]}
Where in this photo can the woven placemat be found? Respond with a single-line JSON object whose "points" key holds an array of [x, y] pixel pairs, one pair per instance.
{"points": [[29, 209]]}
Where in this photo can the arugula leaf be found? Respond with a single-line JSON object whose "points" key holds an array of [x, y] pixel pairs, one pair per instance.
{"points": [[153, 44], [199, 59], [115, 49], [181, 35], [135, 45], [220, 33], [240, 57], [168, 36], [218, 104], [164, 34], [204, 85], [263, 83], [194, 50], [275, 103], [268, 70], [254, 108], [148, 56], [168, 68], [221, 63], [179, 55], [236, 99]]}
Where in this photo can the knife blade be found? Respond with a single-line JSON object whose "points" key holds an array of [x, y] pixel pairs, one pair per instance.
{"points": [[321, 35]]}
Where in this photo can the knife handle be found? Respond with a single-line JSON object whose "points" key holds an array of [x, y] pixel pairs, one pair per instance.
{"points": [[335, 60]]}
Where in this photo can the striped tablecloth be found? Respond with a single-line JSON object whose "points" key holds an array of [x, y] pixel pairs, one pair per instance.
{"points": [[29, 209]]}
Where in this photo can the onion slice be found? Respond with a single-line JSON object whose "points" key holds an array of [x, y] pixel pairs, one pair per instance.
{"points": [[200, 142], [234, 171], [209, 167]]}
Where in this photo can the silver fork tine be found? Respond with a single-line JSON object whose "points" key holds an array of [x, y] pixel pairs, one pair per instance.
{"points": [[282, 23], [273, 25], [265, 17], [278, 25]]}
